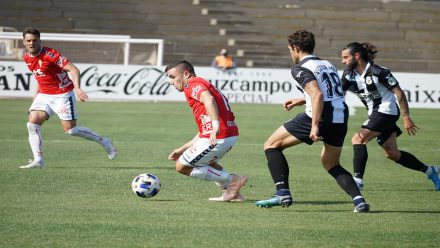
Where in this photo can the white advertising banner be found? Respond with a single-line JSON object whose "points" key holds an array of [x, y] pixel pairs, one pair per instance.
{"points": [[243, 85]]}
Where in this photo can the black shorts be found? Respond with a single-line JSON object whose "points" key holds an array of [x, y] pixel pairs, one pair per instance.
{"points": [[300, 126], [384, 124]]}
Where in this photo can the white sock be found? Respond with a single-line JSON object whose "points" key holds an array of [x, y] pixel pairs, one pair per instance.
{"points": [[210, 174], [85, 133], [429, 170], [358, 180], [222, 185], [357, 197], [35, 141]]}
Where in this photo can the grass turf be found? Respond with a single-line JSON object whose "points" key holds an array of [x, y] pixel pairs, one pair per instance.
{"points": [[81, 199]]}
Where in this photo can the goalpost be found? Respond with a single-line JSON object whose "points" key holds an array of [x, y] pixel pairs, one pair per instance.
{"points": [[89, 48]]}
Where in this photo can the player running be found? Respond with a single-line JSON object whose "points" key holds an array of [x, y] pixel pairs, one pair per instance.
{"points": [[377, 88], [217, 134], [325, 119], [55, 95]]}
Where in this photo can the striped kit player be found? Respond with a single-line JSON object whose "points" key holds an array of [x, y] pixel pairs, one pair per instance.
{"points": [[325, 119], [380, 92]]}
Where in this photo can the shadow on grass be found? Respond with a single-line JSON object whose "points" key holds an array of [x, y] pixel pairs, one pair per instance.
{"points": [[309, 202], [407, 211], [398, 190], [296, 203], [163, 200], [114, 167]]}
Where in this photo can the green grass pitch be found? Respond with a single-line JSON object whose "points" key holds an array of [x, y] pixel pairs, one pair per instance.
{"points": [[82, 199]]}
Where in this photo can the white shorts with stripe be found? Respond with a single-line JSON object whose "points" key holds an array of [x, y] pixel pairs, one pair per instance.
{"points": [[64, 105], [202, 153]]}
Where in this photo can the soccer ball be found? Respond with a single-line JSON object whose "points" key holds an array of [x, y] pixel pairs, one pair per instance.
{"points": [[145, 185]]}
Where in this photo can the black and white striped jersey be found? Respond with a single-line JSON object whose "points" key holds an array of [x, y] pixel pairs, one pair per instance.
{"points": [[373, 88], [313, 68]]}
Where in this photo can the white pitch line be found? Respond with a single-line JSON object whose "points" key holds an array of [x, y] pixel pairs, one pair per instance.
{"points": [[156, 142]]}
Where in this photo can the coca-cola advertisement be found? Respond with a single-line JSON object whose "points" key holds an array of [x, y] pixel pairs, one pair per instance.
{"points": [[242, 85]]}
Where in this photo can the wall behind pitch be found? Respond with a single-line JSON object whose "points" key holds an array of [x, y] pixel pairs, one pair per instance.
{"points": [[243, 85]]}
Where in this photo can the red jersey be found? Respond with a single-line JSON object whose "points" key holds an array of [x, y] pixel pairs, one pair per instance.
{"points": [[192, 91], [47, 68]]}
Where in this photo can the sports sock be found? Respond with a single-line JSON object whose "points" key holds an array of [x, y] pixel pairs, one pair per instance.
{"points": [[210, 174], [411, 162], [222, 185], [358, 200], [345, 180], [35, 141], [429, 170], [85, 133], [359, 160], [283, 192], [278, 167]]}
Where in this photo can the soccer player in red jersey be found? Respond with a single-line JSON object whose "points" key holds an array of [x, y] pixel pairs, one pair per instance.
{"points": [[217, 134], [55, 94]]}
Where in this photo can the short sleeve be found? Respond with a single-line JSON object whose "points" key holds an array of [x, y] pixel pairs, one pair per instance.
{"points": [[387, 79], [58, 59], [196, 89], [344, 81], [302, 75]]}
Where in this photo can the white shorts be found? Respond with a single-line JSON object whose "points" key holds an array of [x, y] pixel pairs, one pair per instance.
{"points": [[202, 153], [64, 105]]}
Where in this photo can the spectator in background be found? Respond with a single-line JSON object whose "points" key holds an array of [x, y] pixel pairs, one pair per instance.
{"points": [[224, 61], [55, 95]]}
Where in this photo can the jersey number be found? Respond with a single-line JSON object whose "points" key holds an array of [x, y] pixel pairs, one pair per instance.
{"points": [[333, 83]]}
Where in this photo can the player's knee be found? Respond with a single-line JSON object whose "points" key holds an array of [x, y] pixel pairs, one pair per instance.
{"points": [[270, 144], [182, 169], [179, 169], [356, 139], [73, 131], [266, 145], [329, 163], [32, 127], [393, 155]]}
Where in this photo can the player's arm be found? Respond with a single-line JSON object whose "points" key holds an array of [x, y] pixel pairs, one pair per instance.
{"points": [[315, 94], [212, 110], [37, 89], [408, 123], [344, 82], [176, 153], [291, 103], [76, 79]]}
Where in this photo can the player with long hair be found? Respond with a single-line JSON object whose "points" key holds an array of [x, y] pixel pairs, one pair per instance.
{"points": [[378, 89]]}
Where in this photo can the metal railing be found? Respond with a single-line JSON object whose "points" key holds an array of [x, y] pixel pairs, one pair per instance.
{"points": [[126, 40]]}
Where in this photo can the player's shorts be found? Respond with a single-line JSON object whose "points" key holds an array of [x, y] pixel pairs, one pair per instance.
{"points": [[301, 125], [202, 153], [384, 124], [64, 105]]}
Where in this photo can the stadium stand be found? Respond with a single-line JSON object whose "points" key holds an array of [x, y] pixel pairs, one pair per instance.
{"points": [[406, 32]]}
